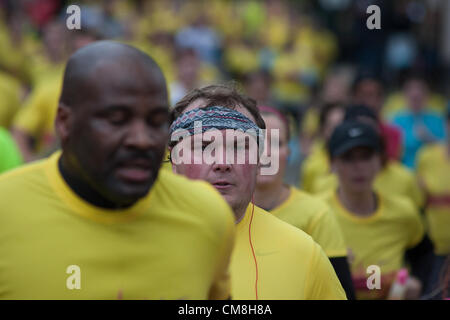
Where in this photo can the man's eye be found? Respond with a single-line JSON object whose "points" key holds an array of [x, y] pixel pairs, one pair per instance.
{"points": [[159, 120], [117, 118]]}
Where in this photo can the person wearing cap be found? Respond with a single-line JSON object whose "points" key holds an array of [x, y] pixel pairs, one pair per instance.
{"points": [[378, 228], [271, 259], [298, 208], [393, 177], [433, 171]]}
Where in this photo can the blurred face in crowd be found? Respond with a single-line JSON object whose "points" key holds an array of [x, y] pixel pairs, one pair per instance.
{"points": [[275, 123], [115, 136], [369, 93], [334, 118], [55, 39], [258, 87], [416, 93], [235, 182], [188, 68], [356, 169]]}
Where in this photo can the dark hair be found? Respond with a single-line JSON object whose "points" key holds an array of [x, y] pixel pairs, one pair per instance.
{"points": [[359, 110], [219, 95], [366, 76]]}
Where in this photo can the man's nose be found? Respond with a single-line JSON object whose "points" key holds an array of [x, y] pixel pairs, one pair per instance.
{"points": [[221, 167], [221, 164], [139, 136]]}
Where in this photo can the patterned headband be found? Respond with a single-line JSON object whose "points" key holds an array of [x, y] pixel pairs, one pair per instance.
{"points": [[215, 117]]}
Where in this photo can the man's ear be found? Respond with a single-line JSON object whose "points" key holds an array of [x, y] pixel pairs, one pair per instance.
{"points": [[63, 122]]}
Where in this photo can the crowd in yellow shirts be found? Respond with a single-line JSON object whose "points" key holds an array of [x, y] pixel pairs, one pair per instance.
{"points": [[283, 58]]}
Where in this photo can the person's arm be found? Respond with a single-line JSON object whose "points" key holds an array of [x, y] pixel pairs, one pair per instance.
{"points": [[325, 230], [420, 257], [323, 284], [342, 269]]}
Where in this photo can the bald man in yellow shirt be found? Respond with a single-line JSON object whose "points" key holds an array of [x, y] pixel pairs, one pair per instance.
{"points": [[100, 220]]}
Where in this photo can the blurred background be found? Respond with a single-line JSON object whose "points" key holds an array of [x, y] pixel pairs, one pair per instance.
{"points": [[303, 57]]}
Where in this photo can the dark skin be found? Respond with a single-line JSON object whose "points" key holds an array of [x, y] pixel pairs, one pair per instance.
{"points": [[113, 124]]}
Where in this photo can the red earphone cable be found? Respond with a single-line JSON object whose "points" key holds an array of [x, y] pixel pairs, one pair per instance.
{"points": [[251, 246]]}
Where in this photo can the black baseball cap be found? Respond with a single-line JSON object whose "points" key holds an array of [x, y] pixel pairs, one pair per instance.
{"points": [[352, 134]]}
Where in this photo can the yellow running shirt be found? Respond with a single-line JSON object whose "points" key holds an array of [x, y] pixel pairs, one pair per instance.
{"points": [[290, 264], [313, 216], [314, 166], [173, 244], [394, 179], [434, 171], [380, 239]]}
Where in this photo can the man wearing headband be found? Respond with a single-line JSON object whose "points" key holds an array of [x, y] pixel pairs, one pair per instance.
{"points": [[433, 170], [308, 213], [271, 259], [378, 228]]}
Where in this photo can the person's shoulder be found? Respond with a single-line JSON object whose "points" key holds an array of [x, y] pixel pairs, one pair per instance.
{"points": [[398, 207], [327, 196], [22, 175], [400, 171], [194, 197], [308, 203], [282, 232]]}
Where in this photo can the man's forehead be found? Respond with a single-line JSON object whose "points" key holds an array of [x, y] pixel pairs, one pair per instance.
{"points": [[202, 103]]}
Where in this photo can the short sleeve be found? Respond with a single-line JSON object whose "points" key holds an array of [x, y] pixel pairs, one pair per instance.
{"points": [[325, 230], [323, 283], [416, 230]]}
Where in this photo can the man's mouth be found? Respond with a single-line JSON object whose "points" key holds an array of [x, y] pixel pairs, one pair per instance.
{"points": [[135, 171], [222, 185]]}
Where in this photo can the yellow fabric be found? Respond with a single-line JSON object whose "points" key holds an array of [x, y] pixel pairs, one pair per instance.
{"points": [[10, 92], [393, 179], [13, 55], [290, 264], [380, 239], [173, 244], [314, 166], [310, 122], [37, 116], [434, 171], [313, 216]]}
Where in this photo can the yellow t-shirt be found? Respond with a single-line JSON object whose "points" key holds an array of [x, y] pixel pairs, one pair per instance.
{"points": [[314, 166], [173, 244], [434, 171], [313, 216], [10, 93], [394, 179], [380, 239], [290, 264], [37, 116]]}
